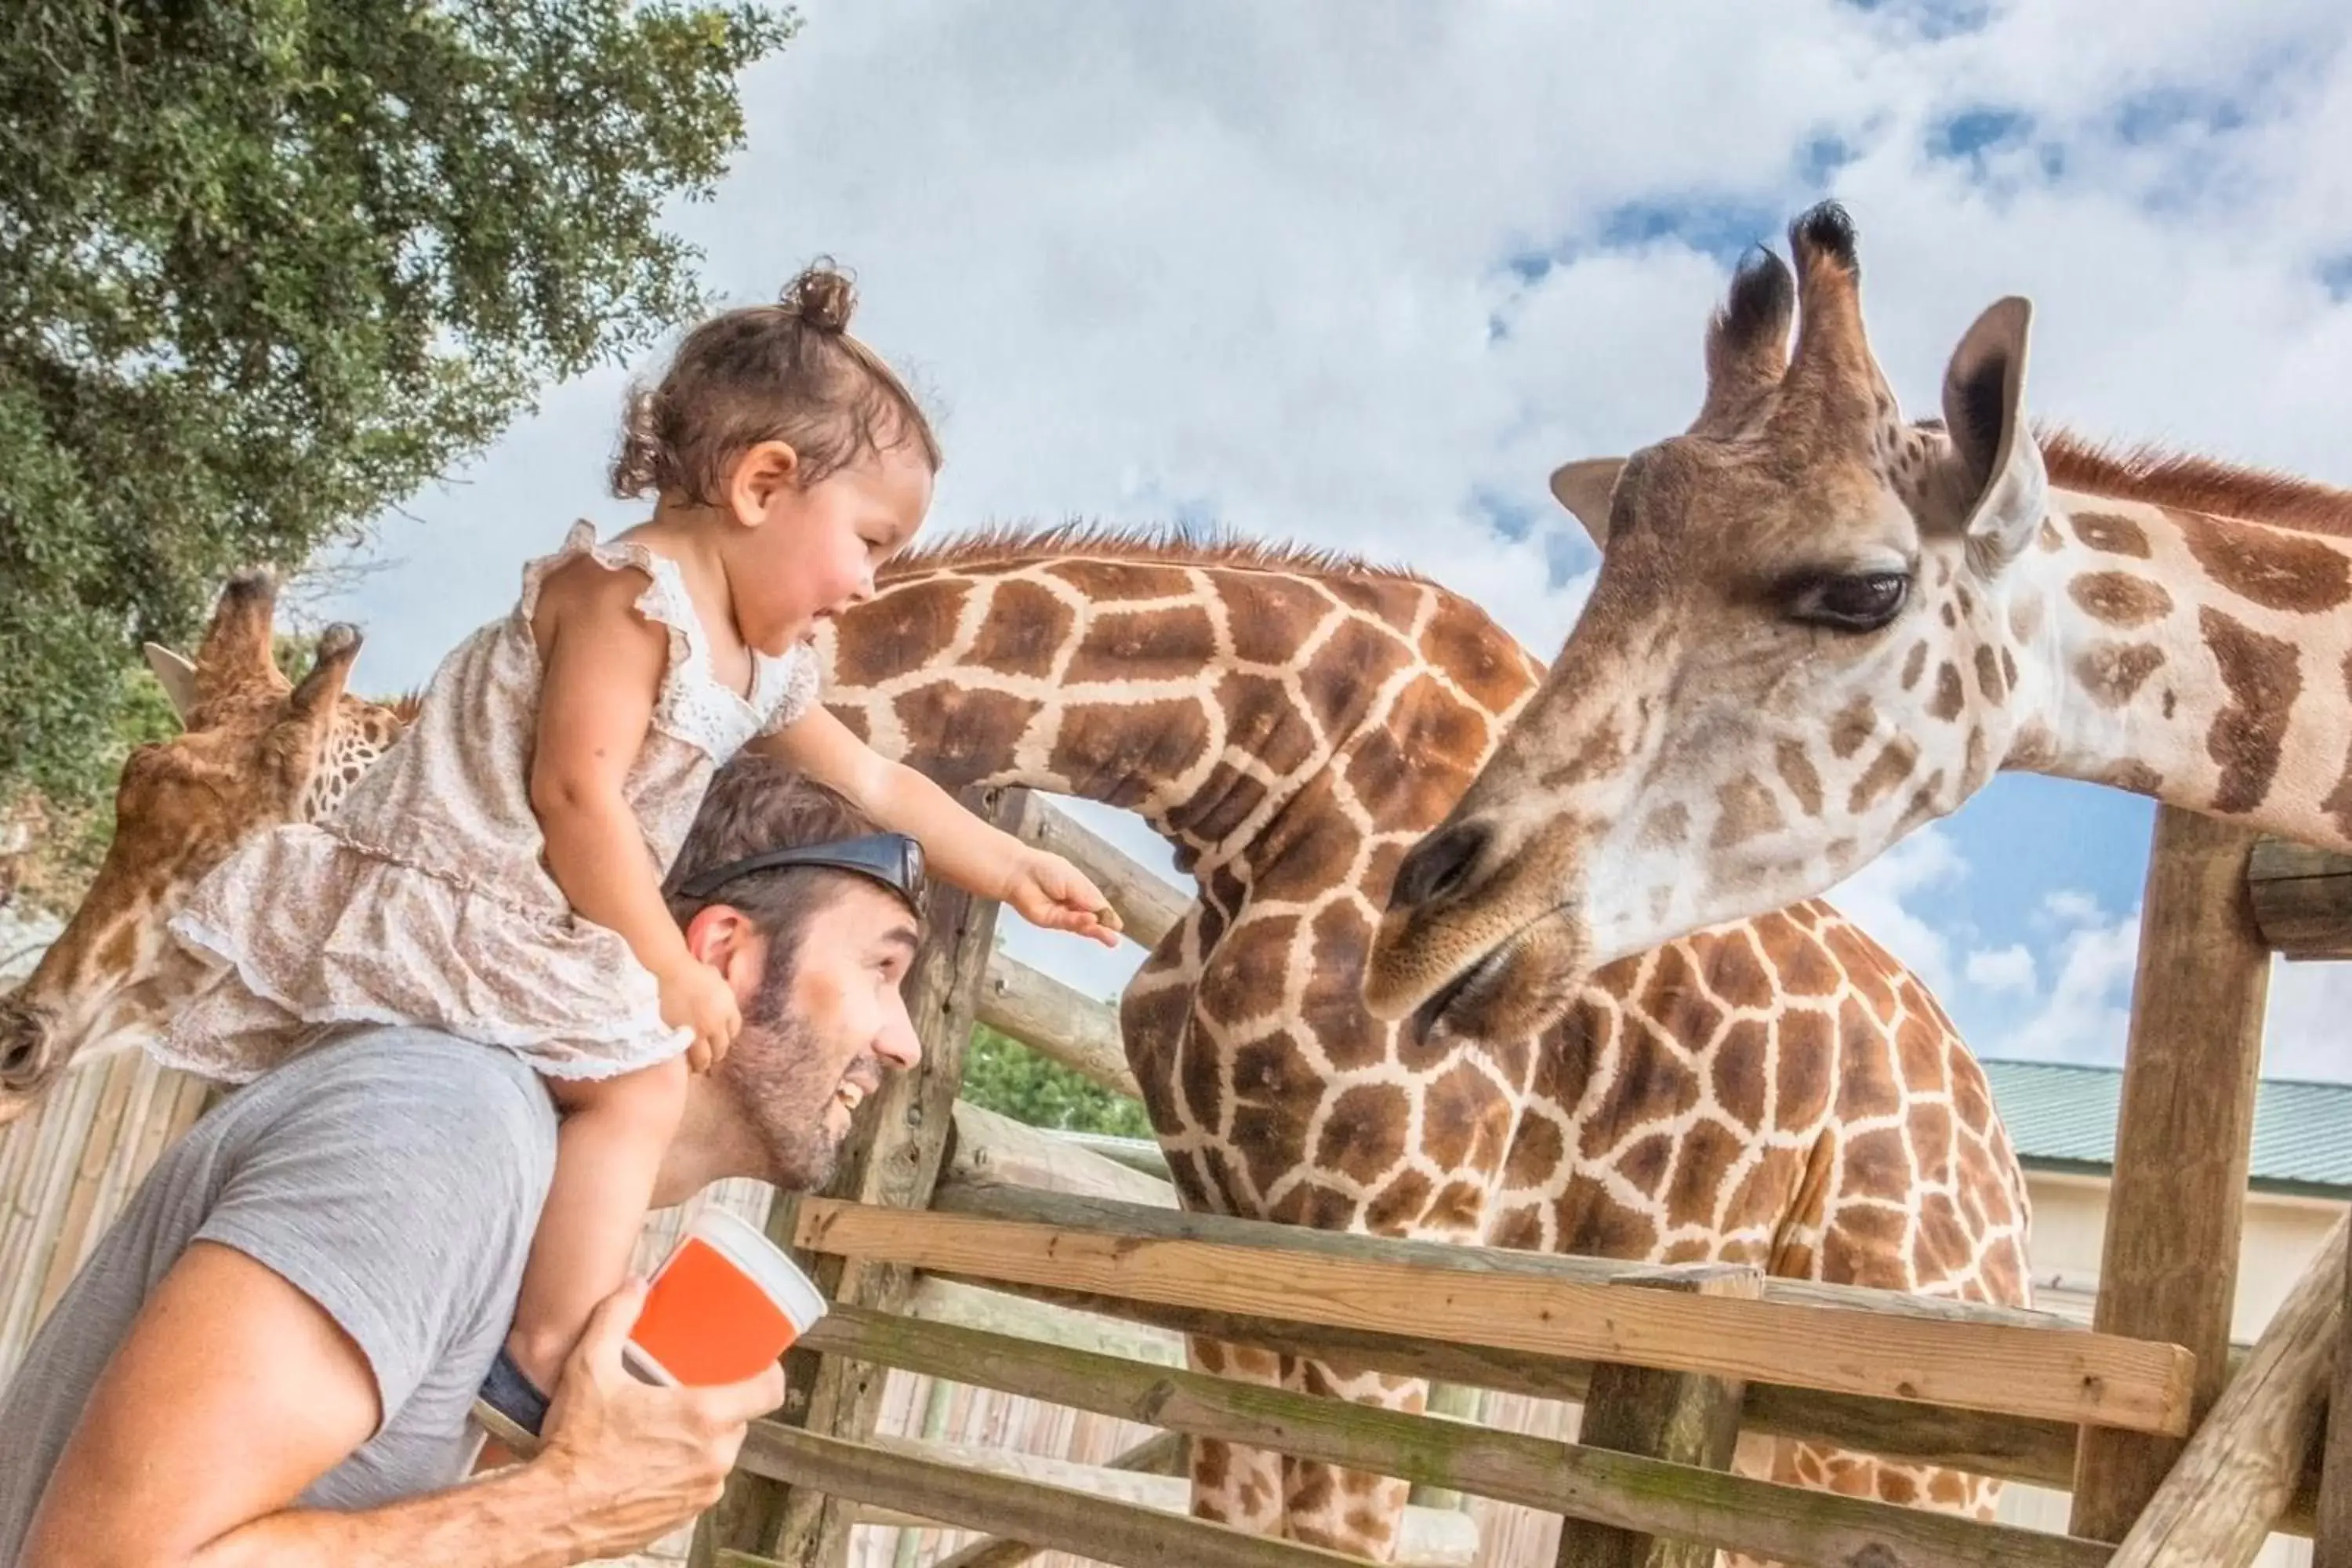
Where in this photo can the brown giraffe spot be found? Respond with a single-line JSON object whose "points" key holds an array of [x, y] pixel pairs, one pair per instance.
{"points": [[1536, 1152], [1797, 772], [1943, 1238], [1457, 1208], [1967, 601], [1224, 804], [1603, 752], [1364, 1135], [1102, 582], [2001, 1275], [1211, 1462], [1463, 1120], [1989, 676], [1588, 1221], [1263, 721], [1745, 807], [1707, 1153], [1517, 1230], [1803, 966], [1914, 664], [1650, 1087], [1888, 768], [1313, 1489], [2338, 803], [2264, 681], [1200, 1080], [1331, 1005], [1675, 1001], [1312, 1206], [963, 734], [1734, 969], [2267, 566], [1877, 1163], [1976, 765], [903, 630], [1865, 1247], [1855, 723], [2119, 598], [1666, 827], [2112, 532], [1947, 1486], [1249, 969], [1164, 642], [1394, 602], [1950, 696], [1475, 655], [1400, 1205], [2132, 777], [2171, 701], [2112, 673], [853, 720], [1865, 1086], [1767, 1186], [1864, 970], [2009, 668], [1022, 630], [1951, 616], [1405, 772], [1919, 1044], [1268, 616], [1346, 672], [1644, 1164], [1117, 751], [1740, 1062], [1971, 1102]]}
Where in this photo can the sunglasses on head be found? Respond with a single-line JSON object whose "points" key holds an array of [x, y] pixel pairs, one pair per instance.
{"points": [[893, 859]]}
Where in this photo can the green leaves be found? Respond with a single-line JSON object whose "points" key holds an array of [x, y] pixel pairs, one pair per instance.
{"points": [[1003, 1075], [268, 266]]}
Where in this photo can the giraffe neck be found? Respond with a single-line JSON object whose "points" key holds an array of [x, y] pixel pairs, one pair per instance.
{"points": [[2206, 662], [1206, 696]]}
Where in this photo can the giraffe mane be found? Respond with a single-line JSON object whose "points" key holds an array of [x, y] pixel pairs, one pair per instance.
{"points": [[2162, 477], [998, 544]]}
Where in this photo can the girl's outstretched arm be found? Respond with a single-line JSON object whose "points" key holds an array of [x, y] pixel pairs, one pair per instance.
{"points": [[602, 671], [962, 848]]}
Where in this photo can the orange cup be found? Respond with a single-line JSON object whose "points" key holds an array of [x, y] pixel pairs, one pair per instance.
{"points": [[725, 1303]]}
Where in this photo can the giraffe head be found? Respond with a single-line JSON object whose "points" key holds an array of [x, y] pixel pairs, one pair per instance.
{"points": [[1798, 649], [256, 749]]}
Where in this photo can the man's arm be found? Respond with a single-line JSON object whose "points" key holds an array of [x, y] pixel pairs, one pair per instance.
{"points": [[234, 1391]]}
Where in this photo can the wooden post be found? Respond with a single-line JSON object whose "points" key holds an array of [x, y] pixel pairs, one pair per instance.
{"points": [[1676, 1417], [893, 1158], [2170, 1268], [2332, 1538], [2225, 1496]]}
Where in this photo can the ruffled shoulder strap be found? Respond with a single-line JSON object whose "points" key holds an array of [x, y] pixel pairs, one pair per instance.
{"points": [[664, 601]]}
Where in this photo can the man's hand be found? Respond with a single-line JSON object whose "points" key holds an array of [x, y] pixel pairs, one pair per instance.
{"points": [[640, 1461]]}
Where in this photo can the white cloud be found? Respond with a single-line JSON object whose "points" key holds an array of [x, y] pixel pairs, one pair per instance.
{"points": [[1245, 262], [2003, 970]]}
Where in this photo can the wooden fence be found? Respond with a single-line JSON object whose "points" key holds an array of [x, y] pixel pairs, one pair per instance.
{"points": [[1003, 1363]]}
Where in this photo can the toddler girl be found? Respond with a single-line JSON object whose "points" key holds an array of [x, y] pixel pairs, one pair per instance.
{"points": [[497, 875]]}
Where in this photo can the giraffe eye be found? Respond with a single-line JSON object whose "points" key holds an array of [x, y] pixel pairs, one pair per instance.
{"points": [[1850, 602]]}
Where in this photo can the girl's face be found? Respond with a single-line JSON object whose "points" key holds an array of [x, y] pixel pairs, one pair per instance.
{"points": [[812, 552]]}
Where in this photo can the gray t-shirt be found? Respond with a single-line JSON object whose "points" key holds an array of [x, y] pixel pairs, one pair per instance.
{"points": [[395, 1176]]}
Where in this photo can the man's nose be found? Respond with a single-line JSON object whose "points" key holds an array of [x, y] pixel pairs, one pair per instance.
{"points": [[897, 1044]]}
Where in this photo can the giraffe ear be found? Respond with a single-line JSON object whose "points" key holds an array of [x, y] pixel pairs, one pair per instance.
{"points": [[178, 677], [2000, 472], [1584, 488]]}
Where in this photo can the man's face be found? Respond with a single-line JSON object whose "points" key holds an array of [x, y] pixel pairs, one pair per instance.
{"points": [[819, 1027]]}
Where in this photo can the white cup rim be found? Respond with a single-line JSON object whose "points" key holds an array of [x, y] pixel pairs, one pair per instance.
{"points": [[777, 1275]]}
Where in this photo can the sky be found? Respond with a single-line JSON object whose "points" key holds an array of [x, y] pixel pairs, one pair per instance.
{"points": [[1362, 277]]}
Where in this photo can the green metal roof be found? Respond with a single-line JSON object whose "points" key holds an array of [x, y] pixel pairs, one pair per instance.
{"points": [[2065, 1115]]}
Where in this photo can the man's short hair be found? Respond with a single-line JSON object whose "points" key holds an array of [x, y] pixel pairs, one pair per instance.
{"points": [[757, 804]]}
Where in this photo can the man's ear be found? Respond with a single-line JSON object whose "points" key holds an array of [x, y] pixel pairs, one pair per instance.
{"points": [[762, 473], [726, 938]]}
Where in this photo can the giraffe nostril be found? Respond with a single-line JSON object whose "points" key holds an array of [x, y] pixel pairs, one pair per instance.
{"points": [[1439, 865], [22, 1031]]}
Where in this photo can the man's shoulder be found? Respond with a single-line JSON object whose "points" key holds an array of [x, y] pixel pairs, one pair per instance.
{"points": [[400, 1092]]}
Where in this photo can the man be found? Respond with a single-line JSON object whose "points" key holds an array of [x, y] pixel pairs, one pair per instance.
{"points": [[270, 1357]]}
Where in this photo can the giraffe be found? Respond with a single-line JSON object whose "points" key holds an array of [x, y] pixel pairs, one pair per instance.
{"points": [[1782, 1093], [1817, 626], [256, 749]]}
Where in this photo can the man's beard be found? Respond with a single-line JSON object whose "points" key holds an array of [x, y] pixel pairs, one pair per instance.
{"points": [[783, 1090]]}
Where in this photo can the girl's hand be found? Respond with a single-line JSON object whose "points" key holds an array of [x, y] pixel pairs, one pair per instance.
{"points": [[1049, 891], [695, 996]]}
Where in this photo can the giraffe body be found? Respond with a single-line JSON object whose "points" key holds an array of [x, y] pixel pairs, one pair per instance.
{"points": [[1779, 1091], [1818, 626]]}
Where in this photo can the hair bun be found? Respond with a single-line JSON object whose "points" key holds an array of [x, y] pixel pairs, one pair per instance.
{"points": [[822, 297]]}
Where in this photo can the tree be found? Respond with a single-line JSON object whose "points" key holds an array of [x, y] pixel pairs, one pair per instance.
{"points": [[267, 266], [1003, 1075]]}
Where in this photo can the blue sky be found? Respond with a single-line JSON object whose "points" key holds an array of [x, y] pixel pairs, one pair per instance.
{"points": [[1363, 279]]}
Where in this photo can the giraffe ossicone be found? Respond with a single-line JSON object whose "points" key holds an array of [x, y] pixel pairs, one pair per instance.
{"points": [[1818, 626], [1780, 1092]]}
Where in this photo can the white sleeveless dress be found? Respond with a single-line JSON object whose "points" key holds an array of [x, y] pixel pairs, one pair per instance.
{"points": [[424, 899]]}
